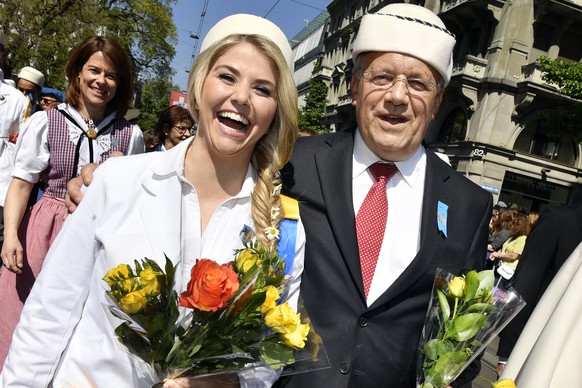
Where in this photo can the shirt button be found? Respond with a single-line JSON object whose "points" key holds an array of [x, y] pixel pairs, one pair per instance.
{"points": [[363, 322], [344, 369]]}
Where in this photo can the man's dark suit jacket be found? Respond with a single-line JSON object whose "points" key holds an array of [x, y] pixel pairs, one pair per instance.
{"points": [[553, 238], [376, 346]]}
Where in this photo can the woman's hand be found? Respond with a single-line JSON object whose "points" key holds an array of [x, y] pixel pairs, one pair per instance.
{"points": [[12, 254], [217, 381]]}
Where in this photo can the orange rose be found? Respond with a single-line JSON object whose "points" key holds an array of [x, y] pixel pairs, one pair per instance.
{"points": [[211, 286]]}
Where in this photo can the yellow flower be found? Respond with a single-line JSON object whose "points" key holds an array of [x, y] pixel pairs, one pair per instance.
{"points": [[149, 279], [457, 287], [122, 271], [505, 383], [297, 337], [133, 302], [271, 298], [282, 319], [246, 259]]}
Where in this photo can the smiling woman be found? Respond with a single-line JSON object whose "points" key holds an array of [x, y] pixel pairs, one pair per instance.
{"points": [[188, 203], [54, 146]]}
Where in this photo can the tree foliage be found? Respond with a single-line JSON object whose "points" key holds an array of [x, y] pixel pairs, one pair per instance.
{"points": [[567, 76], [155, 97], [315, 106], [42, 33]]}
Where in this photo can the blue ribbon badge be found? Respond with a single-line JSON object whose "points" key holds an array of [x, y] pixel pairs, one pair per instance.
{"points": [[442, 217]]}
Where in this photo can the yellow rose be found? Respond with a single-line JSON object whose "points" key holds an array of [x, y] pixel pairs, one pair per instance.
{"points": [[457, 287], [505, 383], [149, 279], [130, 285], [271, 298], [122, 271], [297, 338], [246, 259], [281, 317], [133, 302]]}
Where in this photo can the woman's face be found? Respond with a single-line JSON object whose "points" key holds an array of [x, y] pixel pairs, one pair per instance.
{"points": [[97, 84], [177, 133], [238, 102]]}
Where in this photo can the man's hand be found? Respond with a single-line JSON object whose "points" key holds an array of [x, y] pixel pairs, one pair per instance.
{"points": [[500, 368], [217, 381], [74, 195]]}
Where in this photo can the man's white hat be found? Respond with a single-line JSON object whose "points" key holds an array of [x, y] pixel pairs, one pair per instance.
{"points": [[246, 24], [31, 74], [408, 29]]}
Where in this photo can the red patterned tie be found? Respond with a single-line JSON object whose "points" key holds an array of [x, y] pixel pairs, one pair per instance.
{"points": [[371, 221]]}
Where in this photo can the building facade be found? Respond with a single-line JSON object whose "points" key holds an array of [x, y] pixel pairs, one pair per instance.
{"points": [[490, 123]]}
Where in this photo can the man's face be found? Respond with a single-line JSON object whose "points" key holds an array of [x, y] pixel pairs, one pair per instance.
{"points": [[27, 87], [393, 119]]}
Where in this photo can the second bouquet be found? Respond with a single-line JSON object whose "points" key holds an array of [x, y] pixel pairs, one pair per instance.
{"points": [[234, 316]]}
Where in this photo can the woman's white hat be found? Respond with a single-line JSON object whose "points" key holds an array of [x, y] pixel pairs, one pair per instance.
{"points": [[408, 29], [246, 24]]}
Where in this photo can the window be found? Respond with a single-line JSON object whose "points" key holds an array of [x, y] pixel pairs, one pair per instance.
{"points": [[536, 139], [454, 128]]}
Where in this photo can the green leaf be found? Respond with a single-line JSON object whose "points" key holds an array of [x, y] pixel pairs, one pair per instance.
{"points": [[449, 365], [472, 284], [466, 326], [483, 308], [276, 355], [435, 347], [444, 303]]}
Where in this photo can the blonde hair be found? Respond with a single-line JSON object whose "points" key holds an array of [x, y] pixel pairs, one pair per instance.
{"points": [[274, 149]]}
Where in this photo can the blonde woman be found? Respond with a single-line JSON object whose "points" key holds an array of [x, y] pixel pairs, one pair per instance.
{"points": [[187, 203]]}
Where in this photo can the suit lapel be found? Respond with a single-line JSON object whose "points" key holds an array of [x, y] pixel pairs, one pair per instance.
{"points": [[434, 191], [334, 168]]}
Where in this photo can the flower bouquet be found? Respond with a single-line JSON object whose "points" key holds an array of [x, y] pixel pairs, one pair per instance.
{"points": [[465, 314], [234, 316]]}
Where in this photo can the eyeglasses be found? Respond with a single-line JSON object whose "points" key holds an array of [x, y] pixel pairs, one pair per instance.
{"points": [[182, 129], [47, 101], [415, 86]]}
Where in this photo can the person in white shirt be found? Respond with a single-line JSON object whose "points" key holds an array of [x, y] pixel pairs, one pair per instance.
{"points": [[14, 110], [187, 203]]}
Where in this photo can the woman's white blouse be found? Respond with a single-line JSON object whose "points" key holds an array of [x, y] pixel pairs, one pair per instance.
{"points": [[134, 208], [32, 151]]}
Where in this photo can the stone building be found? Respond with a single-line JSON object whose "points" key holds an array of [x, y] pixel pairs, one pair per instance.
{"points": [[489, 123]]}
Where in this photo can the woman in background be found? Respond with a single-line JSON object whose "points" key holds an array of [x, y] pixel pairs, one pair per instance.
{"points": [[55, 144], [175, 124]]}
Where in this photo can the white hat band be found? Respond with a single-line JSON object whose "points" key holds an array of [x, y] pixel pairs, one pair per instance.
{"points": [[410, 33], [246, 24]]}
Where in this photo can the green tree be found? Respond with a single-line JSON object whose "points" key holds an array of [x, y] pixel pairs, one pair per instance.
{"points": [[41, 33], [567, 76], [155, 97], [315, 106]]}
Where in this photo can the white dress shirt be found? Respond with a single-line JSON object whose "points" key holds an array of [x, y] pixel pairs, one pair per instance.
{"points": [[405, 192], [13, 113]]}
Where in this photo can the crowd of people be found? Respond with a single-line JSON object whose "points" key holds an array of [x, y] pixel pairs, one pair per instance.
{"points": [[379, 212]]}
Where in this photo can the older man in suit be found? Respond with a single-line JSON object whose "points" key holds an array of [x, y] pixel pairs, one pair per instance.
{"points": [[369, 267]]}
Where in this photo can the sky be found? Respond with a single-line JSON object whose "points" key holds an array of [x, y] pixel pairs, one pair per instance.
{"points": [[291, 15]]}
